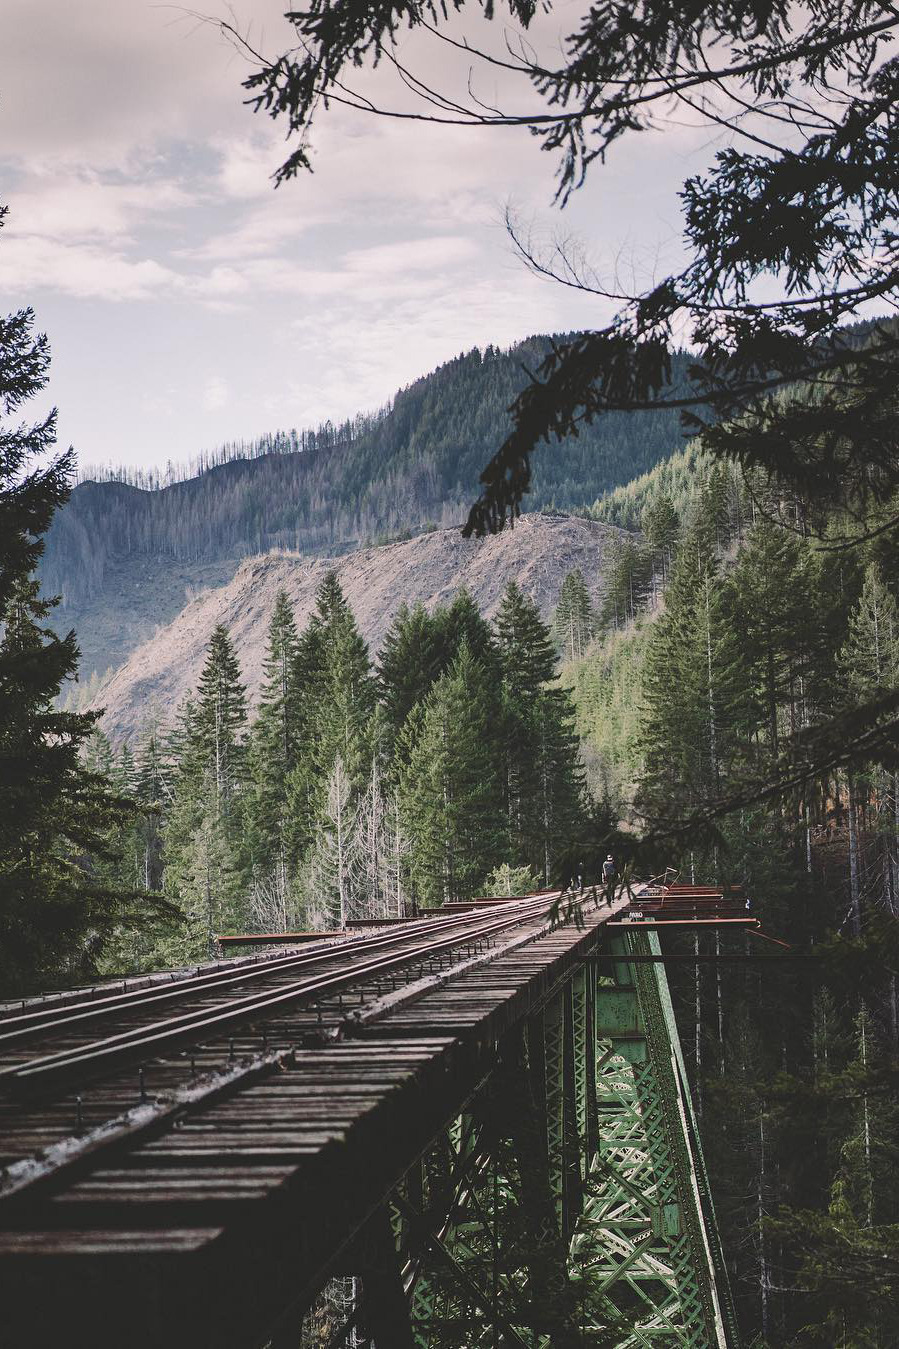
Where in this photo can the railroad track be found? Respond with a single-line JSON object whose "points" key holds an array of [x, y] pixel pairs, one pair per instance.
{"points": [[97, 1065], [232, 1128]]}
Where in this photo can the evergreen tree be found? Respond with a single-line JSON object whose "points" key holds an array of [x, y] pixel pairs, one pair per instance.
{"points": [[661, 528], [774, 610], [276, 719], [56, 814], [692, 689], [204, 834], [219, 720], [334, 694], [867, 666], [539, 749], [527, 656], [848, 1255], [450, 788], [628, 574], [272, 755], [412, 656], [465, 625], [574, 622]]}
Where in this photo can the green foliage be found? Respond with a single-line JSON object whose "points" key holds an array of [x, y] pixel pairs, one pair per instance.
{"points": [[413, 655], [758, 638], [508, 880], [574, 622], [543, 776], [628, 581], [607, 693], [217, 750], [58, 817]]}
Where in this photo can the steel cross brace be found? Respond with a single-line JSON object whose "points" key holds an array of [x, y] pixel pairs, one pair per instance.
{"points": [[568, 1206]]}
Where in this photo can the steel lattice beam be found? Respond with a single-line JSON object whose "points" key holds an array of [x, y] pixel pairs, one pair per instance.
{"points": [[570, 1206]]}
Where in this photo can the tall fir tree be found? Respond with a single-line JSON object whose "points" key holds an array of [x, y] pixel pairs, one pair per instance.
{"points": [[543, 776], [413, 654], [574, 621], [55, 813], [450, 788], [628, 581], [692, 687], [661, 528], [219, 722], [206, 869], [272, 756]]}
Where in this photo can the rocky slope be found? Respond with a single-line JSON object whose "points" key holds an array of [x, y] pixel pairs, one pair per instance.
{"points": [[538, 553], [125, 555]]}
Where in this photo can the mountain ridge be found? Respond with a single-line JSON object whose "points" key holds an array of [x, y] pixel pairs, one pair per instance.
{"points": [[124, 558]]}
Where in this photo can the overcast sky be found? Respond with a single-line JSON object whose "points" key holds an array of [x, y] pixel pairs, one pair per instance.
{"points": [[189, 303]]}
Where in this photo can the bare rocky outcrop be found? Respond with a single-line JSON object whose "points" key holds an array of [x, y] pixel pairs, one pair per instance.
{"points": [[537, 553]]}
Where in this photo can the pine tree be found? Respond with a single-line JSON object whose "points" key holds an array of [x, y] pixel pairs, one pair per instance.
{"points": [[627, 581], [412, 656], [661, 527], [574, 622], [464, 625], [55, 813], [539, 750], [775, 611], [275, 725], [868, 666], [219, 720], [527, 657], [272, 757], [204, 830], [693, 686], [450, 788], [848, 1255]]}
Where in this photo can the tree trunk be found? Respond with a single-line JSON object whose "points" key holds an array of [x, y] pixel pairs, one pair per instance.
{"points": [[854, 888]]}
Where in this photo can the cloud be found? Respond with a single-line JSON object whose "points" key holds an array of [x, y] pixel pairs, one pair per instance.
{"points": [[140, 181], [216, 394], [84, 271], [100, 80], [85, 205], [411, 255]]}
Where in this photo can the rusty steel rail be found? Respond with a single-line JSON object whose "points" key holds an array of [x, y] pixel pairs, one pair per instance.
{"points": [[45, 1020], [83, 1061]]}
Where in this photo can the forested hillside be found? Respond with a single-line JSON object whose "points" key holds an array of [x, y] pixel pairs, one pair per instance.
{"points": [[725, 630], [414, 464]]}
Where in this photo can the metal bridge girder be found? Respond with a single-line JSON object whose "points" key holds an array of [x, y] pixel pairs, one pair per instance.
{"points": [[577, 1212]]}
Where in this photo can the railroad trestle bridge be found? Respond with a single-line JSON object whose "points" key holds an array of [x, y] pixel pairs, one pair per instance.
{"points": [[481, 1118]]}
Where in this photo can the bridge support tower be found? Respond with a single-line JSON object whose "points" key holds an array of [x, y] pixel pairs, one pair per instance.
{"points": [[567, 1206]]}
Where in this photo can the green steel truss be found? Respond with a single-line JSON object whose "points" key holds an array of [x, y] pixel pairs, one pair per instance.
{"points": [[568, 1207]]}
